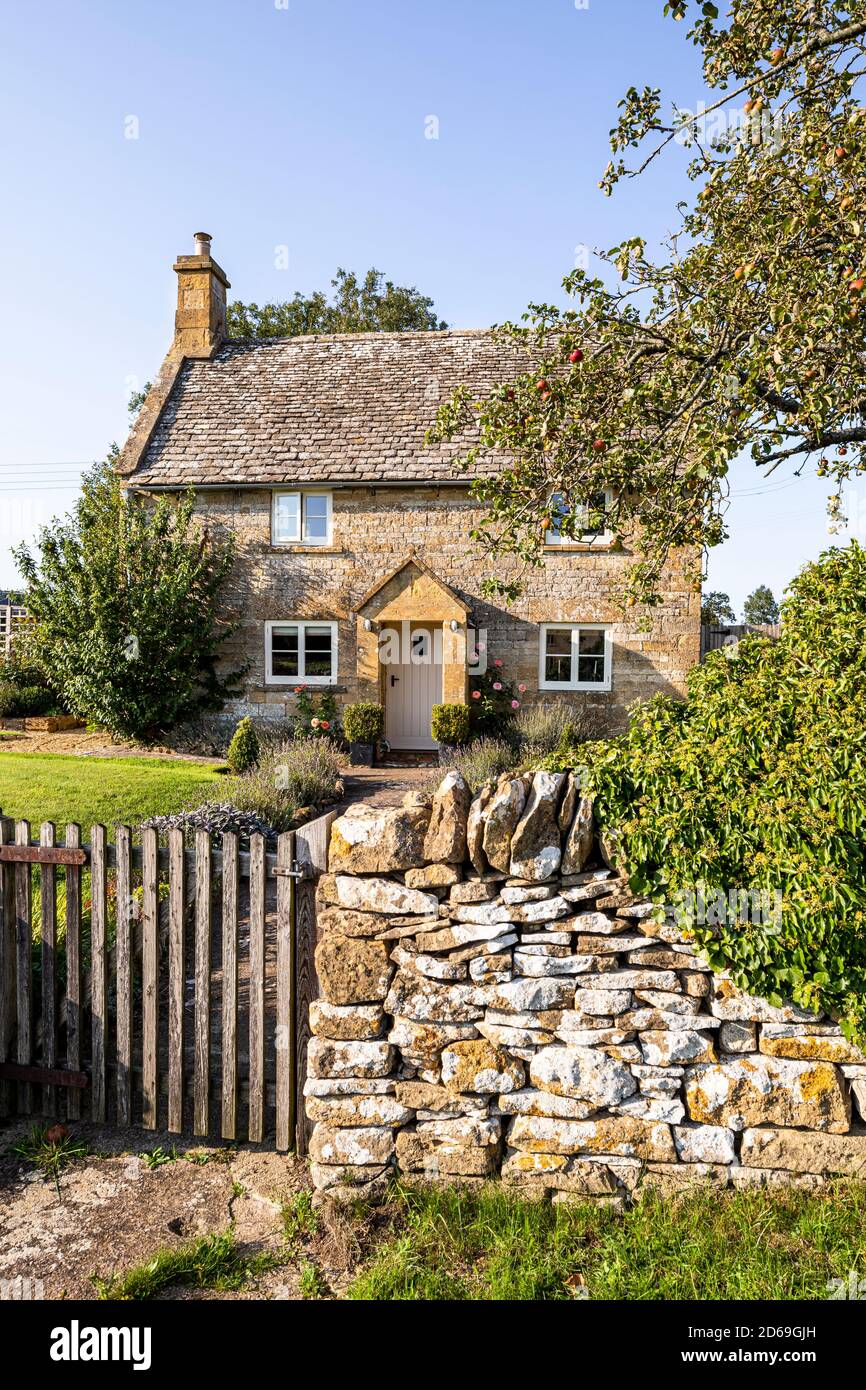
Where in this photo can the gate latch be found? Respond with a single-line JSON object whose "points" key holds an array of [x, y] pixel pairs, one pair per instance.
{"points": [[296, 871]]}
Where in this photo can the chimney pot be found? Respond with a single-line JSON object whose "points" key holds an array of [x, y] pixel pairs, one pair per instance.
{"points": [[202, 243]]}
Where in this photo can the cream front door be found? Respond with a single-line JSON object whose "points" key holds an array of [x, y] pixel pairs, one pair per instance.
{"points": [[412, 687]]}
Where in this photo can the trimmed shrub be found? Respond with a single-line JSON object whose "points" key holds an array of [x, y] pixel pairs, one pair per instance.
{"points": [[450, 723], [363, 722], [288, 776], [482, 760], [758, 783], [243, 751]]}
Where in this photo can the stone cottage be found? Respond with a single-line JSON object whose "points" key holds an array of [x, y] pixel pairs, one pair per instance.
{"points": [[355, 569]]}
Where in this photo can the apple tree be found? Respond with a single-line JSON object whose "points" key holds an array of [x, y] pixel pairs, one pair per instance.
{"points": [[746, 333]]}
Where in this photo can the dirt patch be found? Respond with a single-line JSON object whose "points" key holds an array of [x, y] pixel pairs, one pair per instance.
{"points": [[114, 1211], [82, 743]]}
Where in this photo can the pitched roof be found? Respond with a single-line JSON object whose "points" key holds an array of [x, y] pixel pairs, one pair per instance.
{"points": [[349, 408]]}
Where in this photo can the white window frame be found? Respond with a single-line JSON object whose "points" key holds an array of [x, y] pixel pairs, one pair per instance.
{"points": [[300, 678], [588, 538], [302, 494], [575, 629]]}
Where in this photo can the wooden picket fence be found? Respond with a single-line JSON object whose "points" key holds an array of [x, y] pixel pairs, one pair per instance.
{"points": [[158, 984]]}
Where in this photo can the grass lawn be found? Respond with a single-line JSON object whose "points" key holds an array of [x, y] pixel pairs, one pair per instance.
{"points": [[489, 1244], [51, 786]]}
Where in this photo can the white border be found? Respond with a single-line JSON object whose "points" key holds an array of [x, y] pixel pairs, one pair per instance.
{"points": [[575, 629], [300, 679], [603, 540], [302, 493]]}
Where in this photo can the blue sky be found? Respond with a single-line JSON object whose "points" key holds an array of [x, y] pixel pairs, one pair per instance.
{"points": [[303, 124]]}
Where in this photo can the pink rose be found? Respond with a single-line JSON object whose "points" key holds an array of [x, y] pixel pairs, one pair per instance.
{"points": [[515, 704], [476, 694], [497, 685], [314, 723], [497, 662], [521, 688]]}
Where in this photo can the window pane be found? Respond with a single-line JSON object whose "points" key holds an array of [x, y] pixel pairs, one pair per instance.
{"points": [[284, 651], [316, 518], [287, 516], [557, 656], [317, 651], [590, 669], [557, 510], [591, 643], [594, 519]]}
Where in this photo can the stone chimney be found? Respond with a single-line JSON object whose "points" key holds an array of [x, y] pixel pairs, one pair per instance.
{"points": [[200, 321]]}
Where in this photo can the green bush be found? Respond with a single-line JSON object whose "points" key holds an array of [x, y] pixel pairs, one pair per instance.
{"points": [[303, 772], [363, 722], [314, 717], [450, 723], [482, 760], [126, 599], [243, 751], [493, 702], [21, 702], [758, 783], [35, 700]]}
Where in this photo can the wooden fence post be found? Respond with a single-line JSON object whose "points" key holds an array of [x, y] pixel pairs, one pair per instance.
{"points": [[285, 1040], [24, 973], [311, 853], [123, 957], [176, 923], [48, 904], [150, 976], [230, 986], [98, 982], [203, 933], [7, 960], [258, 887], [73, 969]]}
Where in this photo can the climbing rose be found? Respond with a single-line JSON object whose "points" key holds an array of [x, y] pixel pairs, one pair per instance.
{"points": [[497, 685], [497, 662], [314, 723], [521, 688], [324, 724], [515, 704], [476, 694]]}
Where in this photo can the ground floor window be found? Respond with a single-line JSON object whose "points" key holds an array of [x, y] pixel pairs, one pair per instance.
{"points": [[300, 653], [574, 656]]}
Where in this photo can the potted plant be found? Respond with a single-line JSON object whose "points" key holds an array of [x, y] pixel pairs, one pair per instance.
{"points": [[362, 726], [449, 725]]}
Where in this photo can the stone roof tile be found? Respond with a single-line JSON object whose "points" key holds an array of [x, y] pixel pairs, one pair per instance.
{"points": [[348, 408]]}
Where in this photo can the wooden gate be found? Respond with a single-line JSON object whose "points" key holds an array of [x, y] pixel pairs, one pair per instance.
{"points": [[161, 985]]}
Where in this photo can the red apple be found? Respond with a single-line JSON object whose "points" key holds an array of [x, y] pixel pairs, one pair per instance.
{"points": [[576, 356], [599, 445], [541, 385]]}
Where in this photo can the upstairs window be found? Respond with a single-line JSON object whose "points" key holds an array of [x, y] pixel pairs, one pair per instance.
{"points": [[575, 656], [301, 653], [589, 527], [301, 518]]}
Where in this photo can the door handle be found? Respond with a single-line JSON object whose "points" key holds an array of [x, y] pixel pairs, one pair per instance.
{"points": [[394, 680]]}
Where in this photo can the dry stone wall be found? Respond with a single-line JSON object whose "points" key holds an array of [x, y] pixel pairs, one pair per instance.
{"points": [[494, 1001]]}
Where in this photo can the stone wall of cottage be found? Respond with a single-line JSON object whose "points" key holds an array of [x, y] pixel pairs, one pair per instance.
{"points": [[494, 1001], [374, 529]]}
